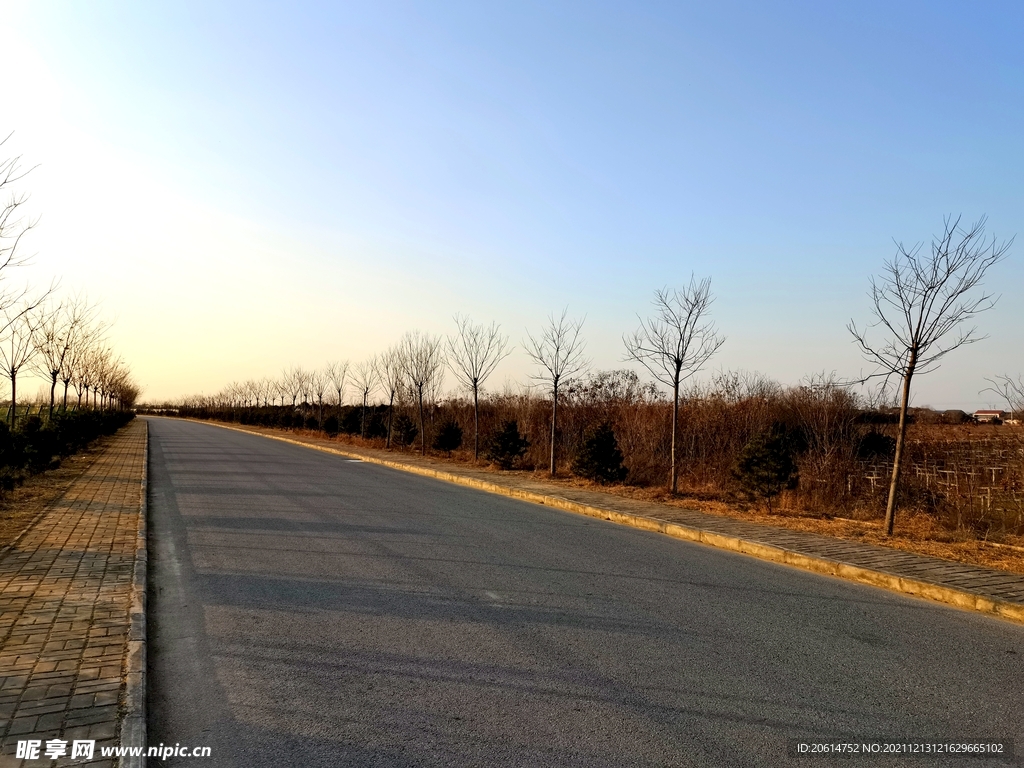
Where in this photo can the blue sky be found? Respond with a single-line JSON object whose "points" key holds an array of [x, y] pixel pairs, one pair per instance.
{"points": [[270, 186]]}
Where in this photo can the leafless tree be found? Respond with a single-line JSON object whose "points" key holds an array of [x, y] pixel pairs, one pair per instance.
{"points": [[303, 383], [365, 377], [60, 332], [292, 384], [558, 351], [390, 374], [1011, 390], [423, 362], [19, 325], [675, 344], [473, 354], [320, 382], [72, 361], [13, 224], [81, 375], [282, 388], [264, 391], [337, 372], [920, 304]]}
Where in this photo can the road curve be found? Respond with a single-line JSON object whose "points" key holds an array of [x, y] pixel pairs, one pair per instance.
{"points": [[308, 610]]}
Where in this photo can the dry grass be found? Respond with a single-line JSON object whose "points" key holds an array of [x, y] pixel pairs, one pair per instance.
{"points": [[18, 508]]}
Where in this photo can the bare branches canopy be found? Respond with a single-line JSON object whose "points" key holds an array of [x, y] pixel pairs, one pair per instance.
{"points": [[423, 362], [473, 354], [675, 344], [558, 352], [922, 306]]}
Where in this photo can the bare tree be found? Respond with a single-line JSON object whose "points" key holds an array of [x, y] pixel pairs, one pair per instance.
{"points": [[1011, 390], [303, 382], [473, 354], [675, 344], [90, 334], [390, 374], [920, 304], [13, 224], [19, 325], [423, 362], [320, 381], [365, 377], [60, 335], [292, 384], [282, 388], [337, 372], [559, 352]]}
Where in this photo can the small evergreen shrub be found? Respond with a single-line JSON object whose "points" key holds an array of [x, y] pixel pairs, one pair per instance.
{"points": [[599, 458], [403, 431], [311, 423], [767, 464], [377, 423], [352, 420], [449, 437], [331, 426], [507, 446]]}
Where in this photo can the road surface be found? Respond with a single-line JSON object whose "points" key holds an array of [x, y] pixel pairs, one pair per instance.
{"points": [[309, 610]]}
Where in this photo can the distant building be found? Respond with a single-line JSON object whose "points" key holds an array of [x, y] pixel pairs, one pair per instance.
{"points": [[954, 416], [985, 416]]}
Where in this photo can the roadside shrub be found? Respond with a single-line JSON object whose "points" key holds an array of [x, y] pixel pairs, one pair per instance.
{"points": [[331, 426], [377, 423], [449, 437], [767, 464], [876, 445], [311, 423], [404, 431], [39, 444], [352, 420], [507, 446], [599, 458]]}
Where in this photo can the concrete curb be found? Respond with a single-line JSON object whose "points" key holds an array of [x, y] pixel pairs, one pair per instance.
{"points": [[961, 599], [133, 723]]}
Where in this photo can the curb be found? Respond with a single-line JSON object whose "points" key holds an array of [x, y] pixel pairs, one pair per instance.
{"points": [[133, 723], [995, 607]]}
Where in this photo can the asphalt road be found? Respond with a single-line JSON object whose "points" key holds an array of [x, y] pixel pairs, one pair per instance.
{"points": [[306, 610]]}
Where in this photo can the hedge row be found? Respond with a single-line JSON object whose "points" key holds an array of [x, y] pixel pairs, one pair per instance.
{"points": [[37, 445]]}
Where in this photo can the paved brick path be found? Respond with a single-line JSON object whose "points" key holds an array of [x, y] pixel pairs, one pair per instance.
{"points": [[65, 594]]}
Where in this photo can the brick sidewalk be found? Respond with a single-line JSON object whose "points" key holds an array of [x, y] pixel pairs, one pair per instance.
{"points": [[65, 596]]}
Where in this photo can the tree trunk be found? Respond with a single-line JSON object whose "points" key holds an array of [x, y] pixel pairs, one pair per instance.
{"points": [[554, 424], [476, 422], [423, 431], [53, 389], [674, 472], [897, 460], [14, 399], [65, 406], [362, 418], [391, 413]]}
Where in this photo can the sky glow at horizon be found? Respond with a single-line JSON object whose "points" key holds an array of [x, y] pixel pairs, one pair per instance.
{"points": [[250, 187]]}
